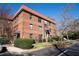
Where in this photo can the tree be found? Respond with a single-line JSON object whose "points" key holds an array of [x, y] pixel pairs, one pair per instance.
{"points": [[74, 25], [65, 24], [5, 23], [73, 29], [69, 23]]}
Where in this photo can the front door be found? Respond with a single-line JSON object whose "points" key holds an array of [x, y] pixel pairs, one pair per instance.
{"points": [[18, 35]]}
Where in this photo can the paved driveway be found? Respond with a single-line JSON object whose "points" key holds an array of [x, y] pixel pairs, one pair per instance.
{"points": [[72, 51]]}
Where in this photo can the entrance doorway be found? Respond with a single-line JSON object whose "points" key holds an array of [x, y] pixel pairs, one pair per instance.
{"points": [[17, 35]]}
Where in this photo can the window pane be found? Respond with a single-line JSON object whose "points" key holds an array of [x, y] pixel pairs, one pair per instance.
{"points": [[30, 16], [40, 36], [39, 20], [30, 35], [31, 25], [40, 27]]}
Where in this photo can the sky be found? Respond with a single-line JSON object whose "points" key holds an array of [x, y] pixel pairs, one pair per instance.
{"points": [[52, 10]]}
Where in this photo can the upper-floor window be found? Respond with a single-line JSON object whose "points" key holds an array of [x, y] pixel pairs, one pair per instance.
{"points": [[31, 26], [47, 23], [39, 20], [40, 27], [31, 16]]}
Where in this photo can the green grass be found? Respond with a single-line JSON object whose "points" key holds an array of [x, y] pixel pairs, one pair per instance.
{"points": [[40, 45]]}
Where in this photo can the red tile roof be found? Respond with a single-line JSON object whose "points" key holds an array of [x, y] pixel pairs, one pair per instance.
{"points": [[33, 12]]}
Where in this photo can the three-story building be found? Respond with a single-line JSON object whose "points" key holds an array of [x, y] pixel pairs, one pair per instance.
{"points": [[28, 23]]}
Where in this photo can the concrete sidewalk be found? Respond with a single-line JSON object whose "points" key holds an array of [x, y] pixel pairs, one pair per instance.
{"points": [[16, 50]]}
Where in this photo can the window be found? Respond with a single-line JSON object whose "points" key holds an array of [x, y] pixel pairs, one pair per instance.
{"points": [[49, 23], [31, 26], [45, 22], [40, 27], [30, 35], [39, 20], [45, 25], [47, 32], [50, 30], [30, 16], [40, 36]]}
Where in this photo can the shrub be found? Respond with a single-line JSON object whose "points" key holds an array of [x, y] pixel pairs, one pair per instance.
{"points": [[73, 35], [50, 39], [63, 44], [3, 40], [31, 40], [43, 40], [23, 43], [57, 38]]}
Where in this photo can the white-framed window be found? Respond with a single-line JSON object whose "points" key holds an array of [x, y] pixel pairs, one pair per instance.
{"points": [[31, 26], [39, 20], [31, 16], [40, 27]]}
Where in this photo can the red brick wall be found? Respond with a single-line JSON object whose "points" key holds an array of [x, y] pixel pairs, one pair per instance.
{"points": [[24, 29]]}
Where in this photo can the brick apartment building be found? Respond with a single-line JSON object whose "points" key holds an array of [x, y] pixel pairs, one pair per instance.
{"points": [[28, 23]]}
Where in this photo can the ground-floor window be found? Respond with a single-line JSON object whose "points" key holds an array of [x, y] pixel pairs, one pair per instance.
{"points": [[40, 36], [31, 35]]}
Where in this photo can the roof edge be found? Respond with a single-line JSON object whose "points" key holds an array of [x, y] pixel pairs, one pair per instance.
{"points": [[23, 7]]}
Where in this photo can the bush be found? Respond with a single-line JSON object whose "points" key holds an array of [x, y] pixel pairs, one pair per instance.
{"points": [[73, 35], [50, 39], [31, 40], [56, 38], [3, 40], [63, 44], [23, 43]]}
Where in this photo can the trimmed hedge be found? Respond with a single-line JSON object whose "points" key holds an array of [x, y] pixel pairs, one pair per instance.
{"points": [[23, 43]]}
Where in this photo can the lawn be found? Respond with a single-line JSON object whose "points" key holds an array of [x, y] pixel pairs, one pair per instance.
{"points": [[42, 45]]}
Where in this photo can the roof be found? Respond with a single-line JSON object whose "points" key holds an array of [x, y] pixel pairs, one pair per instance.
{"points": [[33, 12]]}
